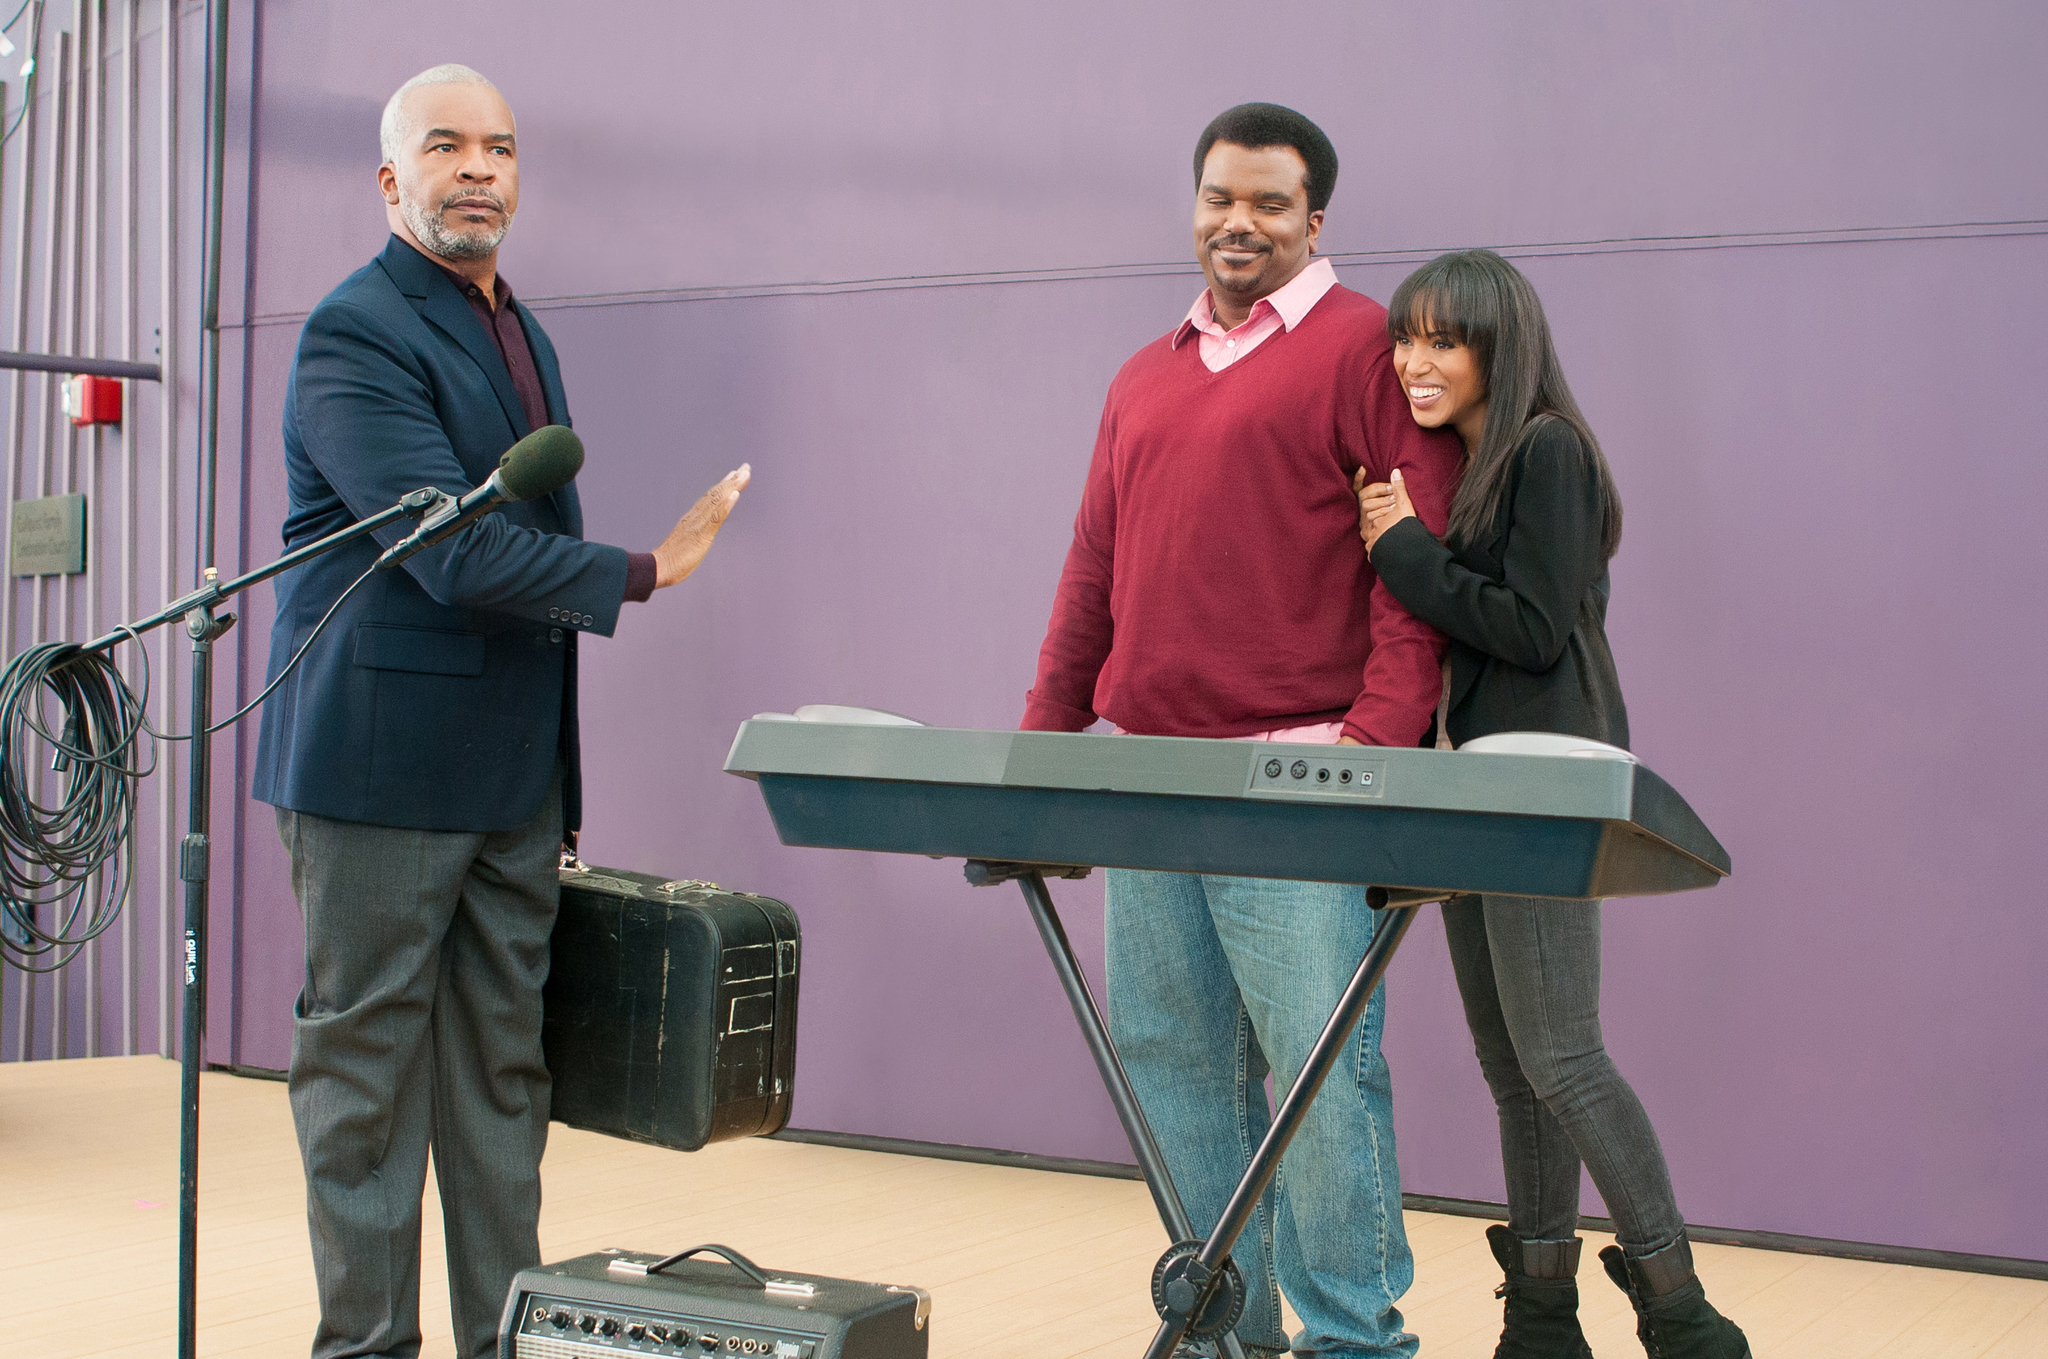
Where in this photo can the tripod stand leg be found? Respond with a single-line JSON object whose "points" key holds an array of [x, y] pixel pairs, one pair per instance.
{"points": [[1146, 1147], [1287, 1119]]}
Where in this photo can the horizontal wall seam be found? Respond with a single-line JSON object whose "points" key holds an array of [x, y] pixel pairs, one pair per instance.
{"points": [[2007, 1266], [1617, 245]]}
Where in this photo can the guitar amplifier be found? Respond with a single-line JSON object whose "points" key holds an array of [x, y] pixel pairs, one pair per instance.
{"points": [[670, 1009], [615, 1303]]}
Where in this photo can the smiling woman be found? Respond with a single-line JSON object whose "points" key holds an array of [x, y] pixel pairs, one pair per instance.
{"points": [[1470, 322], [1520, 586]]}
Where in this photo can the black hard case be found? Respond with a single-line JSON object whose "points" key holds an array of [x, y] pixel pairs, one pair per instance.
{"points": [[670, 1009], [832, 1319]]}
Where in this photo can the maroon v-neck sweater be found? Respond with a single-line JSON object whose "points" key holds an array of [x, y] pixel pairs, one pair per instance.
{"points": [[1216, 585]]}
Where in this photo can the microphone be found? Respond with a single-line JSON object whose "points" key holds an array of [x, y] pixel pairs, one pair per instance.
{"points": [[541, 463]]}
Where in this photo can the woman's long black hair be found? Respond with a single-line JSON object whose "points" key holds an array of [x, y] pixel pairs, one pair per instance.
{"points": [[1480, 300]]}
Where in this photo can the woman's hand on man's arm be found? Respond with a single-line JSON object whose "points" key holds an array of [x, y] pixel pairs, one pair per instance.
{"points": [[1381, 504]]}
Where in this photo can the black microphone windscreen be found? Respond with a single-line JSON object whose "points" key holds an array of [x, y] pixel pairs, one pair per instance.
{"points": [[543, 462]]}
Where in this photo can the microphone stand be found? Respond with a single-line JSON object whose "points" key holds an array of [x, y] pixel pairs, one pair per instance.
{"points": [[204, 626]]}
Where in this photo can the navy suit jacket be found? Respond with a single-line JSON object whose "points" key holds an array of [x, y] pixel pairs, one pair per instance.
{"points": [[441, 694]]}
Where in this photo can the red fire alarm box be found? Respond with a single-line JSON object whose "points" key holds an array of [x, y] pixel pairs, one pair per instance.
{"points": [[92, 400]]}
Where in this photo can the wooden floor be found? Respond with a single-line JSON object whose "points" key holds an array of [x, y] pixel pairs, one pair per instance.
{"points": [[1020, 1262]]}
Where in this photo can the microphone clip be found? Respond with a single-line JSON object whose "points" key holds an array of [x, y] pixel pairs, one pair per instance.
{"points": [[417, 504], [435, 508], [437, 512]]}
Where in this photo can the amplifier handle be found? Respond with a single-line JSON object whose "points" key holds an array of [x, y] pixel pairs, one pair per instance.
{"points": [[732, 1257]]}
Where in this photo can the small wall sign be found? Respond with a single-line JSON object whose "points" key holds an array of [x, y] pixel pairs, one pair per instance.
{"points": [[49, 536]]}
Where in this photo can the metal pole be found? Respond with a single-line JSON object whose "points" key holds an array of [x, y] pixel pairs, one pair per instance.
{"points": [[79, 363], [167, 519], [61, 131], [65, 446], [82, 460], [130, 991], [1096, 1033], [194, 854], [193, 866], [53, 235], [1074, 982], [53, 296], [216, 157], [416, 505], [94, 340]]}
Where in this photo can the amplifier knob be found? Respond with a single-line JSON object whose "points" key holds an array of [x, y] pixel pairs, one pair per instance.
{"points": [[680, 1336], [560, 1320], [609, 1326], [586, 1323], [637, 1332], [707, 1341]]}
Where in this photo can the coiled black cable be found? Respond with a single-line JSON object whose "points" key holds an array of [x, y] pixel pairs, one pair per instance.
{"points": [[63, 873]]}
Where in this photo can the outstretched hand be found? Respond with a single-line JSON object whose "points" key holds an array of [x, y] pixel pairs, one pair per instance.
{"points": [[684, 548], [1381, 505]]}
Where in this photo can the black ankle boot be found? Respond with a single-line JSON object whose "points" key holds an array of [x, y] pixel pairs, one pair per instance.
{"points": [[1674, 1320], [1542, 1293]]}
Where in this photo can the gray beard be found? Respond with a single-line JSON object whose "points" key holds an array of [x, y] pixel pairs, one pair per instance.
{"points": [[427, 228]]}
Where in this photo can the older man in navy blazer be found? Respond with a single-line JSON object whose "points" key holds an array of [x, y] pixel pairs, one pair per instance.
{"points": [[423, 756]]}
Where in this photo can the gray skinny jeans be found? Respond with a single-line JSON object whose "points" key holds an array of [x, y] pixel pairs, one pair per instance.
{"points": [[1529, 972]]}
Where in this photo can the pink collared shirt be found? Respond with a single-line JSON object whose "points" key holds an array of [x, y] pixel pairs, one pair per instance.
{"points": [[1282, 309]]}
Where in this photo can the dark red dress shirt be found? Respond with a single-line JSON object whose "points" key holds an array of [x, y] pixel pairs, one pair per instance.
{"points": [[501, 322]]}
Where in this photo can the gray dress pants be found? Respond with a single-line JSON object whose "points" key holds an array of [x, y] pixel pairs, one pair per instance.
{"points": [[419, 1029]]}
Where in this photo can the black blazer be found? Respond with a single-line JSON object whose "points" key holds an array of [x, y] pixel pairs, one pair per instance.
{"points": [[1525, 607], [442, 693]]}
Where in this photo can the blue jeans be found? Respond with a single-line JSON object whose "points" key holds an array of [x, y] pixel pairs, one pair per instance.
{"points": [[1211, 979]]}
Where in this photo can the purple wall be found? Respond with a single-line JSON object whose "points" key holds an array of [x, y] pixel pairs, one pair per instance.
{"points": [[90, 991], [1821, 404]]}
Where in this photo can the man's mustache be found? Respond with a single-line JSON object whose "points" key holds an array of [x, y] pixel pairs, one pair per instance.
{"points": [[1228, 241], [470, 196]]}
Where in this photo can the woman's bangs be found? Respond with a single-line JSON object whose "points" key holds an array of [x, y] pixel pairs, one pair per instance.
{"points": [[1435, 300]]}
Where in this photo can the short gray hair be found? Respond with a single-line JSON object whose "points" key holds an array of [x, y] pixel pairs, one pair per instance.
{"points": [[391, 132]]}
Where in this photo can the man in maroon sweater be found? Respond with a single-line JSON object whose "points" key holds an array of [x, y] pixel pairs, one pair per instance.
{"points": [[1217, 587]]}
